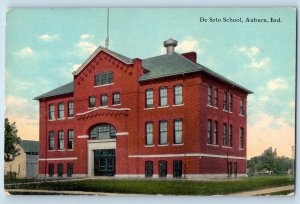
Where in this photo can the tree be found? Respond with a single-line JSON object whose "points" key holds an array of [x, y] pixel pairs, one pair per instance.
{"points": [[11, 140]]}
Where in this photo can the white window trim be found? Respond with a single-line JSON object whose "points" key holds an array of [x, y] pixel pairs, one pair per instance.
{"points": [[215, 107], [61, 118], [104, 85], [223, 146], [61, 150], [213, 145], [104, 106], [149, 108], [51, 150], [70, 150], [117, 104], [50, 120], [163, 106], [122, 133], [241, 115], [82, 136], [152, 145], [176, 105], [186, 155], [180, 144], [163, 145], [209, 106], [71, 117], [58, 159]]}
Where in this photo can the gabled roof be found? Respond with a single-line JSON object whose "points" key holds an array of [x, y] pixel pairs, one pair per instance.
{"points": [[122, 58], [64, 89], [30, 146], [176, 64]]}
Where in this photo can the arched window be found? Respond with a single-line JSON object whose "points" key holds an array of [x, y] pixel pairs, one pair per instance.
{"points": [[102, 131]]}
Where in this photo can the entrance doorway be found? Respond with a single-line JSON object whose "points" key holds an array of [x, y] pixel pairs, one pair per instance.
{"points": [[104, 162]]}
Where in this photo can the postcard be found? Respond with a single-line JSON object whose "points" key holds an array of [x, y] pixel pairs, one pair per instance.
{"points": [[150, 101]]}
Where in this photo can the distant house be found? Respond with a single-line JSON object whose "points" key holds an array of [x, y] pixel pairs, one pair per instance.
{"points": [[26, 164]]}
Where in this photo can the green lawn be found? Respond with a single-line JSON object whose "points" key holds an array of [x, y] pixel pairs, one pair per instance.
{"points": [[164, 187]]}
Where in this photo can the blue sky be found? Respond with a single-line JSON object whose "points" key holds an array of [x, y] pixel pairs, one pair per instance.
{"points": [[43, 46]]}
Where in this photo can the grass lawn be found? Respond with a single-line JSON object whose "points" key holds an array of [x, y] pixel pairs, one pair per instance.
{"points": [[164, 187]]}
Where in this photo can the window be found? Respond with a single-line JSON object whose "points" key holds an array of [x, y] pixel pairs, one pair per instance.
{"points": [[209, 95], [225, 101], [224, 134], [61, 110], [230, 136], [162, 165], [163, 96], [178, 131], [69, 169], [235, 169], [149, 133], [70, 109], [216, 97], [92, 101], [149, 98], [51, 169], [230, 102], [70, 139], [51, 112], [177, 168], [215, 136], [102, 131], [229, 169], [51, 140], [148, 169], [116, 98], [242, 107], [103, 101], [241, 145], [163, 132], [103, 78], [209, 132], [60, 169], [178, 94], [61, 139]]}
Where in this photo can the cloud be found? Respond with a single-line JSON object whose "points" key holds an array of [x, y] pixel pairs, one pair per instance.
{"points": [[187, 45], [48, 38], [270, 131], [12, 101], [252, 53], [86, 36], [277, 84], [23, 84], [25, 52], [86, 47], [263, 99], [291, 104], [67, 73]]}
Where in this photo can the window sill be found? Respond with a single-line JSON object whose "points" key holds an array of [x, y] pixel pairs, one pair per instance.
{"points": [[70, 150], [209, 106], [213, 145], [241, 149], [226, 147], [175, 105], [241, 115], [148, 145], [50, 120], [149, 108], [215, 107], [71, 117], [104, 85], [104, 106], [60, 150], [91, 108], [225, 110], [163, 106], [178, 144], [51, 150], [163, 145], [60, 118], [116, 104]]}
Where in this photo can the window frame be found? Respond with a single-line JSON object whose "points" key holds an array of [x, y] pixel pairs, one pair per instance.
{"points": [[230, 101], [241, 138], [215, 132], [51, 145], [147, 173], [51, 169], [61, 142], [178, 131], [224, 138], [100, 129], [149, 99], [216, 97], [92, 101], [70, 167], [70, 144], [51, 112], [209, 131], [242, 107], [149, 134], [209, 95], [102, 101], [60, 170], [163, 96], [230, 136], [225, 101], [114, 100], [61, 110], [163, 132], [70, 109], [103, 78], [162, 174], [177, 172], [178, 94]]}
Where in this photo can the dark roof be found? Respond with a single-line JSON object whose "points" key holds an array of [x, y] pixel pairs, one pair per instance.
{"points": [[64, 89], [176, 64], [30, 146]]}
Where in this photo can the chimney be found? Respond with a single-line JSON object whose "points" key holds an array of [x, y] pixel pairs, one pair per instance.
{"points": [[170, 45], [192, 56]]}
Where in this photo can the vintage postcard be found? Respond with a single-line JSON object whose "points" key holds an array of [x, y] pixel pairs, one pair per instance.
{"points": [[148, 101]]}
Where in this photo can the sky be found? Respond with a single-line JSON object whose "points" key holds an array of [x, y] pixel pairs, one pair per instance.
{"points": [[44, 46]]}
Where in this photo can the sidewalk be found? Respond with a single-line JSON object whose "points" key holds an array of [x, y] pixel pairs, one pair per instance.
{"points": [[264, 191]]}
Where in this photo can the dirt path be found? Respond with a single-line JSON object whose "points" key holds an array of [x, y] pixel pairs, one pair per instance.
{"points": [[264, 191]]}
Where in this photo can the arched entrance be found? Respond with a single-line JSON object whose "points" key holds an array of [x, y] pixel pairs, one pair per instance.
{"points": [[102, 150]]}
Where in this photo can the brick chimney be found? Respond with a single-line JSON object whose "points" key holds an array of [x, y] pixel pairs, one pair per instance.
{"points": [[192, 56]]}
